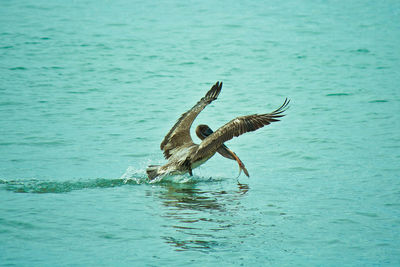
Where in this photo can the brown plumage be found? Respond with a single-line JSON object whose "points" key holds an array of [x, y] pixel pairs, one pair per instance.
{"points": [[239, 126], [180, 134], [184, 155]]}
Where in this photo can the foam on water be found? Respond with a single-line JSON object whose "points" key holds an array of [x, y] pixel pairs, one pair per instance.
{"points": [[140, 177]]}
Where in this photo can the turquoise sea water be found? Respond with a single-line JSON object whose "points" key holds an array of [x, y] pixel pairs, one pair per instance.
{"points": [[88, 89]]}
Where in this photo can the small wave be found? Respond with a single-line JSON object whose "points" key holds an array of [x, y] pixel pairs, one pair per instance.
{"points": [[361, 51], [18, 68], [41, 187], [378, 101], [338, 94]]}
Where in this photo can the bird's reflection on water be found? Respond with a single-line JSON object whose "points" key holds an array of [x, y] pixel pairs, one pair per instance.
{"points": [[198, 217]]}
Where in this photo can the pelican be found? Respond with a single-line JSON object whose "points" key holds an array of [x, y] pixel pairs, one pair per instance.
{"points": [[184, 155]]}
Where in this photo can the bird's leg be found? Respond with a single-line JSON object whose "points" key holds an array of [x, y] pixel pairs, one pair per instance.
{"points": [[188, 166]]}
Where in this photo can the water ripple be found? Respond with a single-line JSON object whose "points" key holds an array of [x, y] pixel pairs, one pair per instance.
{"points": [[38, 186]]}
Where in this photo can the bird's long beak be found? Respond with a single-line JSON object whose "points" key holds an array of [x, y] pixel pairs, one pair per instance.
{"points": [[226, 152], [203, 131]]}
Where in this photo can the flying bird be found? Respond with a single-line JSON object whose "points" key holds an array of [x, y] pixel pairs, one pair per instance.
{"points": [[184, 155]]}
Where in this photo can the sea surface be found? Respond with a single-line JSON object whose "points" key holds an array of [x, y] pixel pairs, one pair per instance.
{"points": [[88, 90]]}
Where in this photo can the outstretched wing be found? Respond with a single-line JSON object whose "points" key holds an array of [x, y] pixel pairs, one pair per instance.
{"points": [[180, 133], [239, 126]]}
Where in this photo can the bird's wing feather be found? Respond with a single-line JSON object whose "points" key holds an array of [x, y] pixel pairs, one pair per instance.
{"points": [[237, 127], [180, 133]]}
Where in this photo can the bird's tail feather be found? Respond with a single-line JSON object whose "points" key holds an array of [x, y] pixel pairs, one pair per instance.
{"points": [[152, 171]]}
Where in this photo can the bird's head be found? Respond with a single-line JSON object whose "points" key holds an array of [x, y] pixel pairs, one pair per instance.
{"points": [[202, 131]]}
